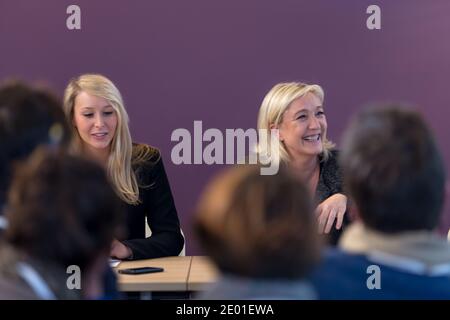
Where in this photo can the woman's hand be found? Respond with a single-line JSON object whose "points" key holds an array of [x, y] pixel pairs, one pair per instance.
{"points": [[119, 250], [331, 209]]}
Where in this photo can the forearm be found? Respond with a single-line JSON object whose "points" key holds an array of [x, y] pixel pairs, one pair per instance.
{"points": [[161, 244]]}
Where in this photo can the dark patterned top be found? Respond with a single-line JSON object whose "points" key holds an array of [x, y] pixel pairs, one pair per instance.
{"points": [[330, 183]]}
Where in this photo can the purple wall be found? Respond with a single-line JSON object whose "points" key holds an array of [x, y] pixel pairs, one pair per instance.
{"points": [[176, 61]]}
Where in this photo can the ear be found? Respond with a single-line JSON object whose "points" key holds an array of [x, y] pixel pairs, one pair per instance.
{"points": [[275, 126]]}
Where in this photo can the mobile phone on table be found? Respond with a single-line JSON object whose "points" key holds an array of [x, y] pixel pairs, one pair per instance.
{"points": [[140, 270]]}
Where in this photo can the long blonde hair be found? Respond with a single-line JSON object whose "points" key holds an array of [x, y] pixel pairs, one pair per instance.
{"points": [[119, 167], [274, 105]]}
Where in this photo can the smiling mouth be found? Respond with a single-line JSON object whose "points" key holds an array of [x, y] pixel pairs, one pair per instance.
{"points": [[312, 138], [99, 135]]}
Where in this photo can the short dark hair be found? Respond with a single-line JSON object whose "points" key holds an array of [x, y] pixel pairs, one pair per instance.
{"points": [[257, 225], [62, 209], [393, 170], [28, 117]]}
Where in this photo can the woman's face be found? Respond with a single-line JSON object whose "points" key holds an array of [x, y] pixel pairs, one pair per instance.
{"points": [[95, 120], [304, 127]]}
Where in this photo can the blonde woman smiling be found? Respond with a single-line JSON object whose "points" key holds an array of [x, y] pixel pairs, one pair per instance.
{"points": [[94, 107], [296, 110]]}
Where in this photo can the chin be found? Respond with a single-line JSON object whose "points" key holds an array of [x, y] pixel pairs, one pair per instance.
{"points": [[314, 152], [97, 145]]}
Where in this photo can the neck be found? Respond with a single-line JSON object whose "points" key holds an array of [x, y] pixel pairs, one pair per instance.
{"points": [[305, 166]]}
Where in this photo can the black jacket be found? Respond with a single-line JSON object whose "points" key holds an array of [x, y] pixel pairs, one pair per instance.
{"points": [[158, 206]]}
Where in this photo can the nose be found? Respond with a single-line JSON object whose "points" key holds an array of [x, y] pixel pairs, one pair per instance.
{"points": [[99, 123], [313, 123]]}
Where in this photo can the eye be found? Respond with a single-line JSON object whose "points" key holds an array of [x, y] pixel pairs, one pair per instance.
{"points": [[108, 113], [320, 113], [301, 117], [88, 115]]}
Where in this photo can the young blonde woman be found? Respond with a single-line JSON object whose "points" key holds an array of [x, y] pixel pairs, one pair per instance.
{"points": [[94, 107], [296, 110]]}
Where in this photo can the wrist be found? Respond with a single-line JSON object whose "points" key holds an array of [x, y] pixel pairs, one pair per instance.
{"points": [[127, 252]]}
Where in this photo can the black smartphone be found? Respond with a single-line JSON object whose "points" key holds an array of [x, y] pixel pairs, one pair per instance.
{"points": [[140, 270]]}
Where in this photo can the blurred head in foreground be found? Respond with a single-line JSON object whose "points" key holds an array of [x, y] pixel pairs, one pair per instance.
{"points": [[62, 211], [393, 170], [258, 226], [29, 117], [395, 179]]}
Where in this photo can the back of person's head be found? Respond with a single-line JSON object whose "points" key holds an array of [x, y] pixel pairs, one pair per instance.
{"points": [[62, 209], [28, 117], [258, 226], [393, 170]]}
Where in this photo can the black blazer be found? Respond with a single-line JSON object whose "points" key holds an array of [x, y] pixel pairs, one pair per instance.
{"points": [[158, 206]]}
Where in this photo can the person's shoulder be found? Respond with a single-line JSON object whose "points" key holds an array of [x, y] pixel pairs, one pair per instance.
{"points": [[339, 271], [336, 255], [146, 162], [336, 261], [333, 156], [335, 153], [144, 155], [13, 289], [330, 163]]}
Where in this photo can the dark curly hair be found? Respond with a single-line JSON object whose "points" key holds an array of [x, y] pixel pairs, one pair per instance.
{"points": [[61, 208]]}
